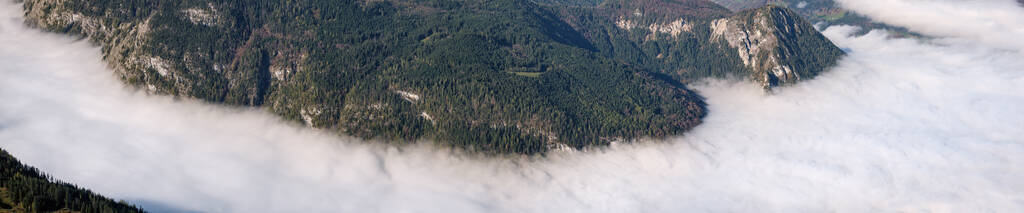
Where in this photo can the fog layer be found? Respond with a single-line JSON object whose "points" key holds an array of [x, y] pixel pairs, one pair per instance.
{"points": [[995, 23], [899, 125]]}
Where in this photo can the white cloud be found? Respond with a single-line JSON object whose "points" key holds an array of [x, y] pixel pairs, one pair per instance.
{"points": [[900, 125]]}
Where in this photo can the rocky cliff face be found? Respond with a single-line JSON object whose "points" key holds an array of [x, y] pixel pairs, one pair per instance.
{"points": [[123, 37], [142, 42], [770, 41], [770, 45]]}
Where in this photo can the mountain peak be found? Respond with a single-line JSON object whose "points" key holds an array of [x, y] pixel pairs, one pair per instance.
{"points": [[776, 45]]}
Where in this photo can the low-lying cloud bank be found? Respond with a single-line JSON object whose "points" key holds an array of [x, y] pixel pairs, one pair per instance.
{"points": [[900, 125], [995, 23]]}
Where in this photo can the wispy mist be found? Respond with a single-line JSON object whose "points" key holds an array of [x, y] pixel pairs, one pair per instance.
{"points": [[899, 125]]}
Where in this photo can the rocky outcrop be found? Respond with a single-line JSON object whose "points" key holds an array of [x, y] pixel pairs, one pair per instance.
{"points": [[672, 29], [776, 45], [191, 49], [771, 45], [125, 38]]}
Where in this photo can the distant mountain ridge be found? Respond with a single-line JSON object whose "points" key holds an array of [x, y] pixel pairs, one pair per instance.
{"points": [[823, 12], [503, 76]]}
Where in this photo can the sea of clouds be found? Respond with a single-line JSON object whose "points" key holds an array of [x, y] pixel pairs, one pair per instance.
{"points": [[900, 125]]}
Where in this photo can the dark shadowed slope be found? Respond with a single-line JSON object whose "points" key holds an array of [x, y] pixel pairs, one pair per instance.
{"points": [[26, 189]]}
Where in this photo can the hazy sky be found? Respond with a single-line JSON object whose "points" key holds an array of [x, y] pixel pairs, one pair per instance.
{"points": [[899, 125]]}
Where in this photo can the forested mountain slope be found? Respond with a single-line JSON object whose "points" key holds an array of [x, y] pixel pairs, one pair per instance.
{"points": [[26, 189], [496, 76]]}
